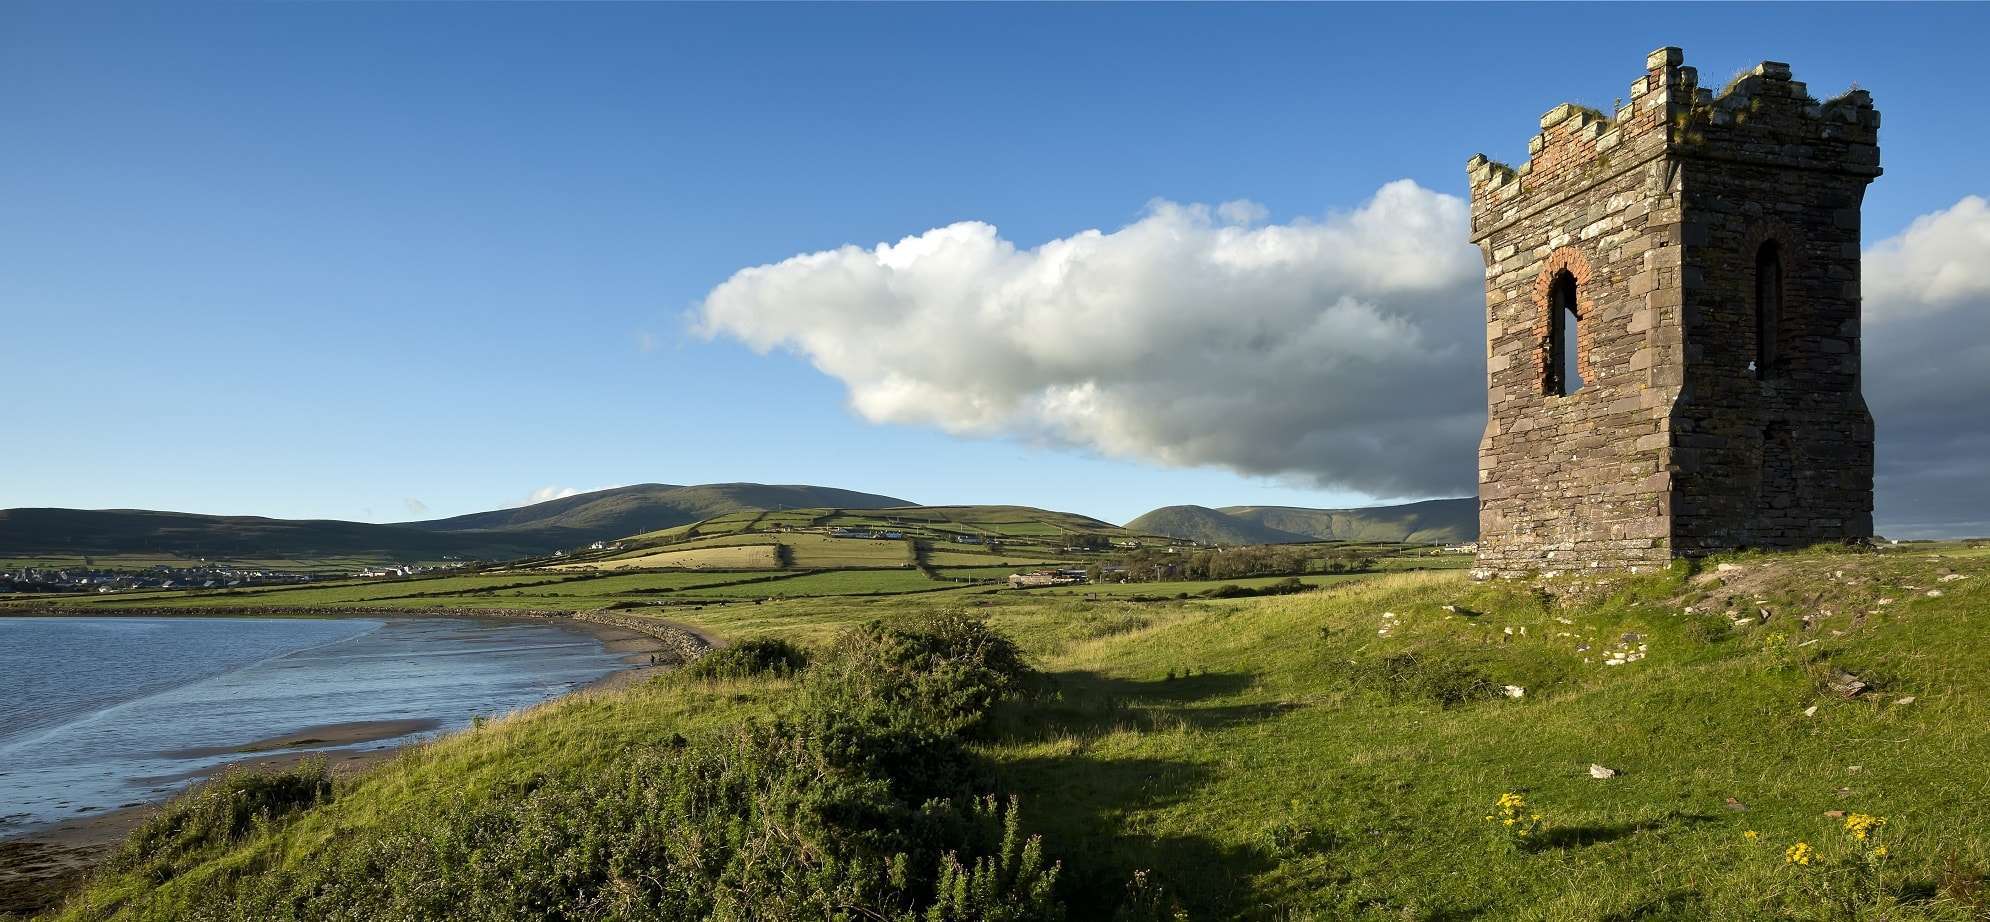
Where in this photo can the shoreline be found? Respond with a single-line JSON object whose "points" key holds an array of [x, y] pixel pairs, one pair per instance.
{"points": [[39, 867]]}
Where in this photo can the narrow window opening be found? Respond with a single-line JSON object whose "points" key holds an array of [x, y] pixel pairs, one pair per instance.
{"points": [[1564, 337], [1768, 309]]}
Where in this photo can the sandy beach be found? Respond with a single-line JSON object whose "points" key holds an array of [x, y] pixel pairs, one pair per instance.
{"points": [[40, 866]]}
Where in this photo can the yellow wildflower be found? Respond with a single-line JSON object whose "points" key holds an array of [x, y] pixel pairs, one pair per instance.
{"points": [[1797, 854], [1863, 825], [1750, 835], [1879, 851]]}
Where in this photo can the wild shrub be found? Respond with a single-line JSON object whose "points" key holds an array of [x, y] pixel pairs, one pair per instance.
{"points": [[854, 803], [217, 813], [1708, 628], [1286, 586], [764, 656], [1445, 678], [1093, 625]]}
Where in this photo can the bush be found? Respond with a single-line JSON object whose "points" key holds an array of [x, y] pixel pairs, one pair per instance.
{"points": [[1448, 679], [1093, 625], [766, 656], [1286, 586], [217, 813], [852, 804], [1707, 628]]}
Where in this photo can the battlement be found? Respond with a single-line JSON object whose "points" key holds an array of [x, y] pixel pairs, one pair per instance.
{"points": [[1762, 114]]}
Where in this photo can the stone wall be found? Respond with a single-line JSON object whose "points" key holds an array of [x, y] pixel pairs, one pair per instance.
{"points": [[1780, 457], [1670, 447]]}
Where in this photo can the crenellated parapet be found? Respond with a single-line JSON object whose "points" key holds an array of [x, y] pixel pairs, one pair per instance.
{"points": [[1761, 114]]}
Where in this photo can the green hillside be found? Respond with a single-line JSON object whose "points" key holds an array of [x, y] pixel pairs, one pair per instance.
{"points": [[832, 538], [107, 533], [1436, 521], [503, 534], [620, 511], [1352, 752], [1204, 525]]}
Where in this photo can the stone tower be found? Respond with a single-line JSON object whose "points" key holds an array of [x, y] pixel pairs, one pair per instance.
{"points": [[1672, 326]]}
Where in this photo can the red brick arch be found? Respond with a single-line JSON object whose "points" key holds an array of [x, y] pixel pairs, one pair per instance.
{"points": [[1569, 259]]}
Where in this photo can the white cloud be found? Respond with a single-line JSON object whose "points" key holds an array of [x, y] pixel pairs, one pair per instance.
{"points": [[415, 506], [1345, 350], [1935, 265], [1927, 371]]}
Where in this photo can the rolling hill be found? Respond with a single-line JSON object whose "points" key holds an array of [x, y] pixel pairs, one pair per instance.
{"points": [[1204, 525], [497, 535], [644, 507], [1437, 521]]}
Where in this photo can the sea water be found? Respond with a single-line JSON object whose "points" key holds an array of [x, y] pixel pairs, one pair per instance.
{"points": [[98, 713]]}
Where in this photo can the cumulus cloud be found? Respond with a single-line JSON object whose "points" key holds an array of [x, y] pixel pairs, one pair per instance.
{"points": [[1927, 372], [415, 506], [1345, 351]]}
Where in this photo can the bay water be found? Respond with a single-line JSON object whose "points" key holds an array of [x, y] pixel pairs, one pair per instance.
{"points": [[98, 713]]}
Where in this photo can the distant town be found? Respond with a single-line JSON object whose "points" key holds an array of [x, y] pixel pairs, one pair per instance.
{"points": [[91, 578]]}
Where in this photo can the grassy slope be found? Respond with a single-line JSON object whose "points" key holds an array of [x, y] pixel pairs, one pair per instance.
{"points": [[1182, 734], [646, 507], [1437, 521], [178, 538], [1204, 525], [174, 537]]}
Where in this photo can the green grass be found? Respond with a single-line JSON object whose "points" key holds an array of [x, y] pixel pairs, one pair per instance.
{"points": [[1191, 587], [830, 583], [1334, 754]]}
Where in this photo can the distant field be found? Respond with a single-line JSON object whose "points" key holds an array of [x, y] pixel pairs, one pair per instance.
{"points": [[1191, 587], [724, 557], [834, 582], [952, 558], [978, 572], [624, 584], [813, 551]]}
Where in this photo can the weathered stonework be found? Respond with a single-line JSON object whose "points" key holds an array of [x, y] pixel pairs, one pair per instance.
{"points": [[1677, 444]]}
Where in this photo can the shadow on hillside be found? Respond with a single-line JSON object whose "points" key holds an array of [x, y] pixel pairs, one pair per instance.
{"points": [[1599, 833], [1677, 904], [1089, 806], [1081, 704]]}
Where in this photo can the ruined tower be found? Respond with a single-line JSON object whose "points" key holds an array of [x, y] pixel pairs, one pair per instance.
{"points": [[1672, 325]]}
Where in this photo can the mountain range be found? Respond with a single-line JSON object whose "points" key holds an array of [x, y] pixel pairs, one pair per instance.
{"points": [[1435, 521], [496, 535], [573, 521]]}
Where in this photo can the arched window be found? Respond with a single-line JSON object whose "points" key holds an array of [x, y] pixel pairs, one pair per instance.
{"points": [[1768, 309], [1564, 339]]}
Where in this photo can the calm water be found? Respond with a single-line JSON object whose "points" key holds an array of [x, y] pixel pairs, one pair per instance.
{"points": [[96, 713]]}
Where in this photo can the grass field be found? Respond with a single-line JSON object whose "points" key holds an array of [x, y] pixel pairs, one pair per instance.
{"points": [[1011, 561], [722, 557], [822, 552], [829, 583], [1189, 587], [1337, 754]]}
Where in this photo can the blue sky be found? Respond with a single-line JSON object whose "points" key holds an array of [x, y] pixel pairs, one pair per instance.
{"points": [[381, 261]]}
